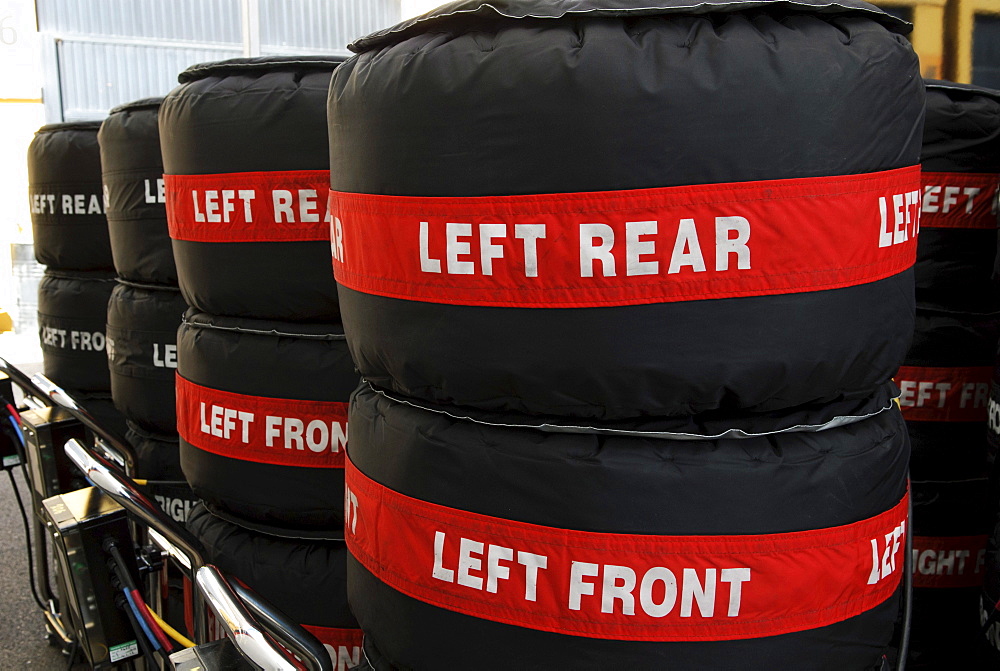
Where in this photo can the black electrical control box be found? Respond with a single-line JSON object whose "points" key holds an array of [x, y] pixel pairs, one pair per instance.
{"points": [[46, 431], [82, 523]]}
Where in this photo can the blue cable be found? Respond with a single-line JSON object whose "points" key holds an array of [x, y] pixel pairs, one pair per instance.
{"points": [[17, 429], [142, 621]]}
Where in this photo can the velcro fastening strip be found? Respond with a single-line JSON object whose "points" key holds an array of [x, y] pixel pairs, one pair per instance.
{"points": [[286, 206], [944, 394], [629, 247], [278, 431], [622, 586]]}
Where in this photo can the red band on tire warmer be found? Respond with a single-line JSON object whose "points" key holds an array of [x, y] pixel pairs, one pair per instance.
{"points": [[938, 394], [344, 645], [629, 247], [950, 562], [960, 200], [287, 206], [622, 586], [310, 434]]}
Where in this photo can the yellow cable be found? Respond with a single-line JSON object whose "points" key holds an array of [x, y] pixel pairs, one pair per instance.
{"points": [[141, 483], [171, 632]]}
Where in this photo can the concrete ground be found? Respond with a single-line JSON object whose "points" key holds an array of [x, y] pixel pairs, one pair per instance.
{"points": [[22, 629]]}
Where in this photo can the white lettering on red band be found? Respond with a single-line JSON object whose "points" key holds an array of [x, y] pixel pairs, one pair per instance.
{"points": [[286, 206], [343, 645], [944, 394], [948, 562], [622, 586], [960, 200], [288, 432], [629, 247]]}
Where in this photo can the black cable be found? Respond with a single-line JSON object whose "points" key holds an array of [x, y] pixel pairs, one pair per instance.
{"points": [[140, 635], [27, 541], [904, 639], [119, 566], [72, 655]]}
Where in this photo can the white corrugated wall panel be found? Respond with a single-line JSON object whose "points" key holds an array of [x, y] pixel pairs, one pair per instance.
{"points": [[97, 76], [205, 21], [101, 53], [321, 26]]}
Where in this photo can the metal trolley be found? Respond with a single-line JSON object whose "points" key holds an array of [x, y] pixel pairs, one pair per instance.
{"points": [[110, 546]]}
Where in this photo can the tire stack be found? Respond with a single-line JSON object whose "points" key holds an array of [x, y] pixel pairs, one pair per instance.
{"points": [[977, 150], [264, 373], [71, 239], [146, 305], [945, 380], [622, 408]]}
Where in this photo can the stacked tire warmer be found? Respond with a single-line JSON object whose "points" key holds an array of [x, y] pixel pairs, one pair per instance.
{"points": [[945, 389], [945, 380], [970, 145], [146, 306], [307, 579], [71, 239], [627, 345], [264, 373]]}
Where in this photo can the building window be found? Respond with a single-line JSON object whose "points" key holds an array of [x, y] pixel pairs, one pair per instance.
{"points": [[986, 51]]}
